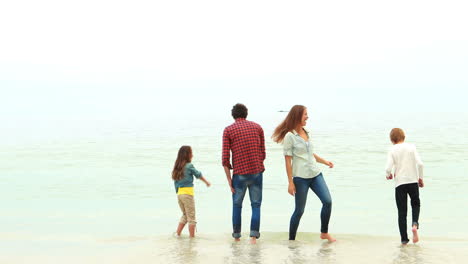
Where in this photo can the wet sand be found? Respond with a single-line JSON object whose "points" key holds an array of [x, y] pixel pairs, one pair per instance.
{"points": [[213, 248]]}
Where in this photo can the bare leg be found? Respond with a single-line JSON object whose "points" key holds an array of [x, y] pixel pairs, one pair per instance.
{"points": [[328, 237], [237, 239], [415, 234], [180, 228], [191, 229]]}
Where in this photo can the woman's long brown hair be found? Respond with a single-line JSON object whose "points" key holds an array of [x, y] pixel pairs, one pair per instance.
{"points": [[183, 157], [292, 120]]}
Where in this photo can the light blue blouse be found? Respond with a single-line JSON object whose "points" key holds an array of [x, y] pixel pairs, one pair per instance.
{"points": [[304, 164]]}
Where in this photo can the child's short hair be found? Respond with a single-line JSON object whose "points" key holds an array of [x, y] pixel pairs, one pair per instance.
{"points": [[397, 135]]}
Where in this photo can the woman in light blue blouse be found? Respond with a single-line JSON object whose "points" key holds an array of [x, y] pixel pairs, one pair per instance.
{"points": [[302, 169]]}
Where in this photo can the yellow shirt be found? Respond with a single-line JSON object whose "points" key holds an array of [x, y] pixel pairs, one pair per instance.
{"points": [[185, 190]]}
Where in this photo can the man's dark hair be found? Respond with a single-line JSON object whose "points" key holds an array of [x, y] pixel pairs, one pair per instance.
{"points": [[239, 111]]}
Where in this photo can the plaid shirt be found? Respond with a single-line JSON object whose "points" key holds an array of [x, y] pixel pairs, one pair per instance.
{"points": [[246, 141]]}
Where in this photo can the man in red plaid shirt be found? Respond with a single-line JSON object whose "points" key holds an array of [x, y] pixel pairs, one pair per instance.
{"points": [[246, 141]]}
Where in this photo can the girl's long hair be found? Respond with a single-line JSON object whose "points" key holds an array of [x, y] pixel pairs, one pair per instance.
{"points": [[183, 157], [292, 120]]}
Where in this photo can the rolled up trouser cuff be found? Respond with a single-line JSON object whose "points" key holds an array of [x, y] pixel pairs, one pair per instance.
{"points": [[255, 234], [236, 235]]}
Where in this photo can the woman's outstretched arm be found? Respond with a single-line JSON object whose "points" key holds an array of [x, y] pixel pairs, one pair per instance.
{"points": [[323, 161]]}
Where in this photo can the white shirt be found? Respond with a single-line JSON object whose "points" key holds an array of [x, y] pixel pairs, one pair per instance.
{"points": [[404, 160]]}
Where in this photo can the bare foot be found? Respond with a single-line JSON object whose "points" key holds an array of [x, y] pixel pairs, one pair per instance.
{"points": [[415, 234], [237, 239], [327, 236], [253, 240]]}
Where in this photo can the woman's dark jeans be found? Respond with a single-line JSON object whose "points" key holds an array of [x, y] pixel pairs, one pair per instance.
{"points": [[319, 187], [401, 197]]}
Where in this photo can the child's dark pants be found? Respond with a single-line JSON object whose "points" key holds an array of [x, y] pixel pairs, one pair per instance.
{"points": [[401, 197]]}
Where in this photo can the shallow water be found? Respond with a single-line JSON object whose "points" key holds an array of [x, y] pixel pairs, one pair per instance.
{"points": [[219, 248], [273, 248], [103, 191]]}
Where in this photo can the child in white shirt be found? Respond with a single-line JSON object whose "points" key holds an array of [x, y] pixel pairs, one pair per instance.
{"points": [[407, 168]]}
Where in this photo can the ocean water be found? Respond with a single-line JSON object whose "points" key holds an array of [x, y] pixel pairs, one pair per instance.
{"points": [[100, 191]]}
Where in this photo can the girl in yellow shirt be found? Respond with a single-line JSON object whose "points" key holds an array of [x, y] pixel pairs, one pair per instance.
{"points": [[183, 174]]}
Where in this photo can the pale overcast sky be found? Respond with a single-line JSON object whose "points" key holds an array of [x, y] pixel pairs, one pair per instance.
{"points": [[96, 58]]}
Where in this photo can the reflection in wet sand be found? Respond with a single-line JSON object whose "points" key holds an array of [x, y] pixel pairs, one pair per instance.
{"points": [[245, 253], [180, 250], [275, 249], [410, 254], [326, 253]]}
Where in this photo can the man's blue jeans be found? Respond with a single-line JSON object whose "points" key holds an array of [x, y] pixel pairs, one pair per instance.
{"points": [[319, 187], [254, 182]]}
